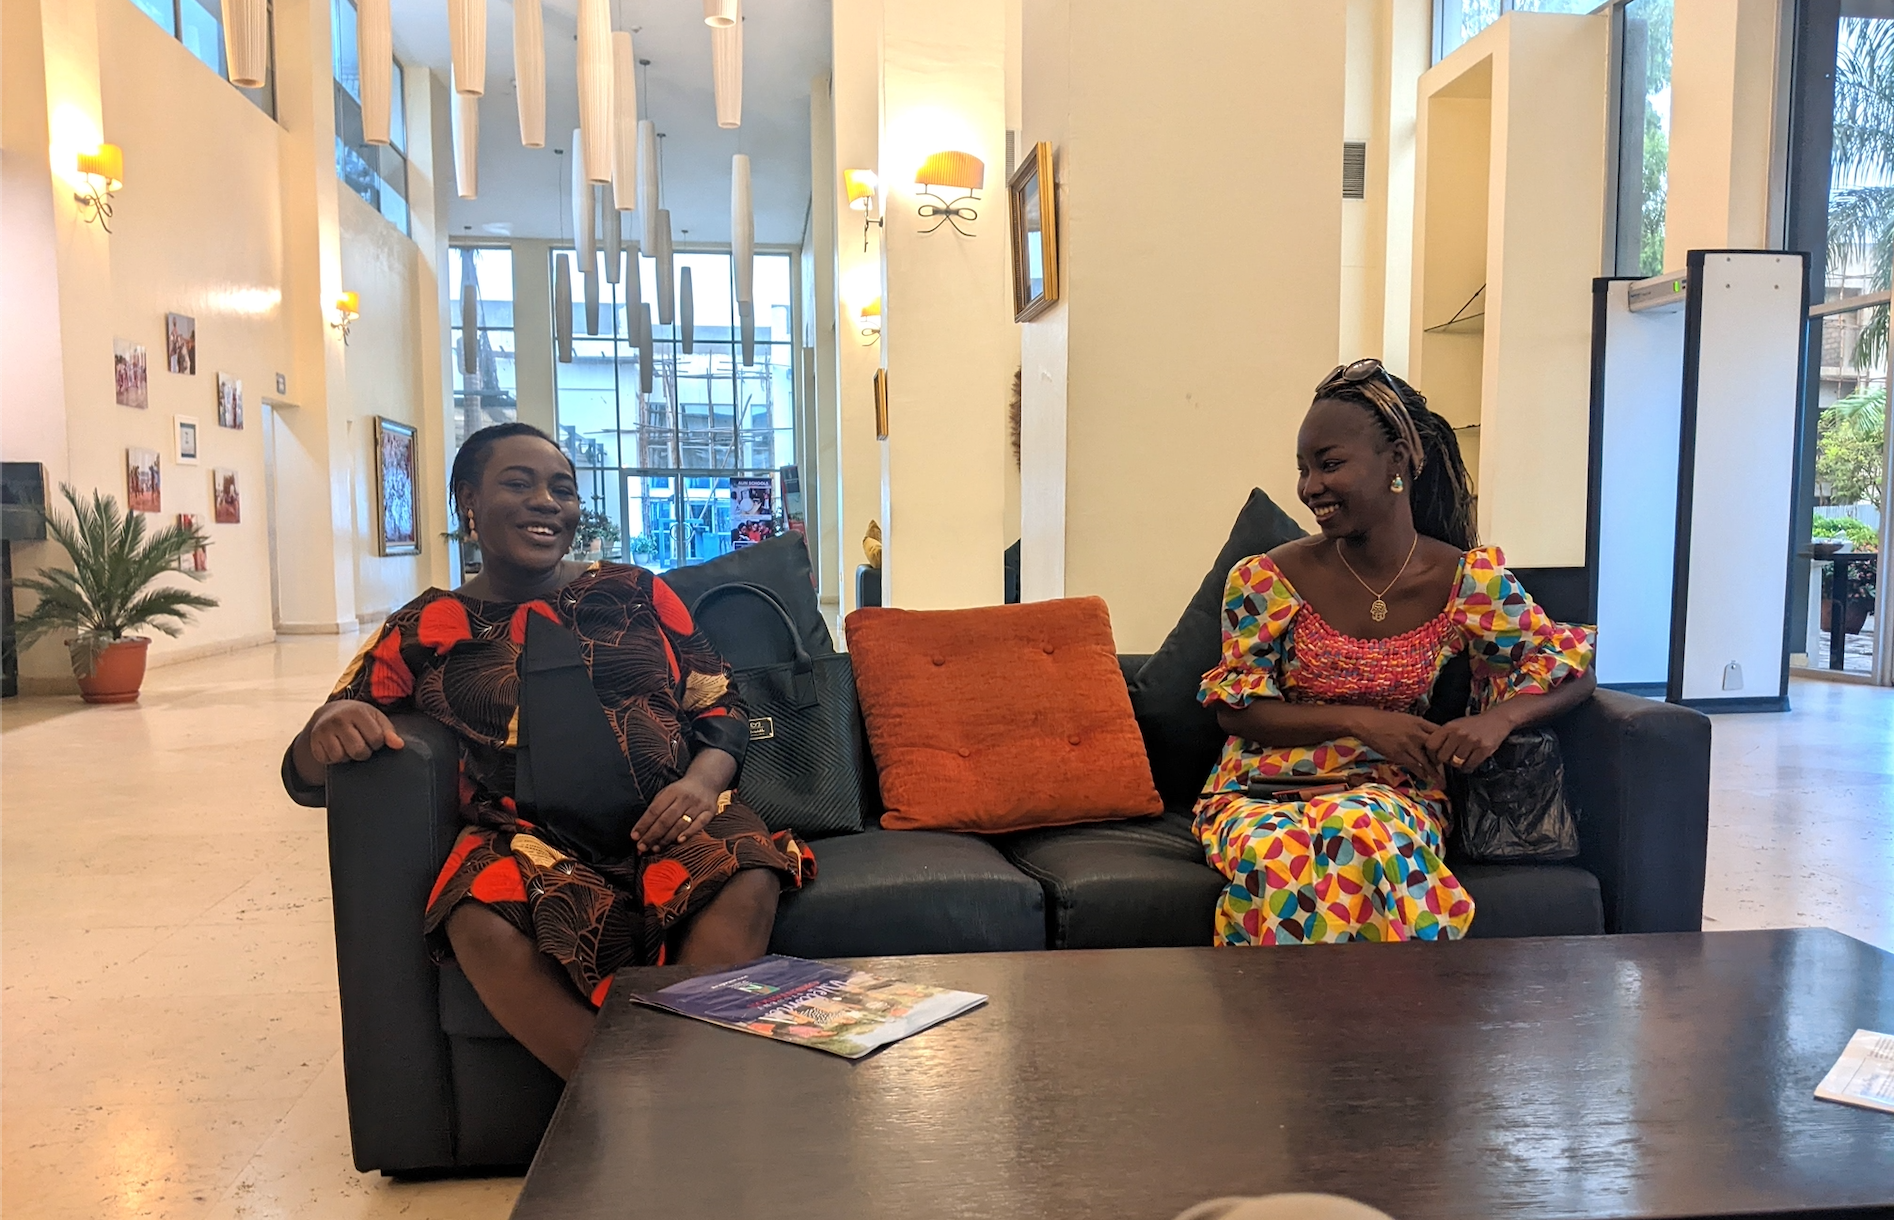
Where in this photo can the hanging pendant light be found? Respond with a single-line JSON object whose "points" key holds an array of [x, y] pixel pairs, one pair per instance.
{"points": [[742, 228], [646, 374], [591, 298], [529, 71], [667, 271], [562, 306], [634, 289], [648, 185], [467, 32], [746, 315], [375, 55], [585, 237], [466, 121], [719, 13], [726, 70], [624, 122], [609, 221], [687, 310], [595, 87], [247, 42], [469, 316]]}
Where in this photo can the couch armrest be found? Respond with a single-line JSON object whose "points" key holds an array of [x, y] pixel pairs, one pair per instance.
{"points": [[1640, 771], [392, 821]]}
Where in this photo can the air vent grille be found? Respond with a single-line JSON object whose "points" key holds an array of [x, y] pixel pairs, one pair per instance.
{"points": [[1354, 169]]}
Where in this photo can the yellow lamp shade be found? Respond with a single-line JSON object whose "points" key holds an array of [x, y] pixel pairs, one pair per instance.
{"points": [[861, 185], [349, 305], [871, 315], [105, 169], [960, 170]]}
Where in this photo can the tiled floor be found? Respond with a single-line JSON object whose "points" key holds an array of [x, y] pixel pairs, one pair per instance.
{"points": [[167, 982]]}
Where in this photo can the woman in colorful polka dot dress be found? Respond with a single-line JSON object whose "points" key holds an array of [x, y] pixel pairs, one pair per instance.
{"points": [[538, 921], [1327, 811]]}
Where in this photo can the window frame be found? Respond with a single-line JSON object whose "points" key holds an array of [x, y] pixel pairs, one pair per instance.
{"points": [[262, 97], [369, 154]]}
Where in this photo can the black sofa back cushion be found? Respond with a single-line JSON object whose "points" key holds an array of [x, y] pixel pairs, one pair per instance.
{"points": [[780, 565], [1180, 734]]}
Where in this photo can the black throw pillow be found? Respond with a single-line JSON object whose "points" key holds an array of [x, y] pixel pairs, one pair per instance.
{"points": [[1180, 734], [780, 565]]}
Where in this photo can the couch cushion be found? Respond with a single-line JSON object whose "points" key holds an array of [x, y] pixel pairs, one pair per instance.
{"points": [[1113, 885], [885, 892], [1180, 734], [1000, 718], [1531, 899], [462, 1013]]}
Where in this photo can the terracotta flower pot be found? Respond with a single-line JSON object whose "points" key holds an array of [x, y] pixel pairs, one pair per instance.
{"points": [[1852, 622], [119, 673]]}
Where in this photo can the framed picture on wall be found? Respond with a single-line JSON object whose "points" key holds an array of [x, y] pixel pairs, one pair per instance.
{"points": [[132, 388], [1035, 235], [180, 343], [186, 428], [229, 401], [394, 488], [226, 504], [881, 404], [199, 559], [141, 481]]}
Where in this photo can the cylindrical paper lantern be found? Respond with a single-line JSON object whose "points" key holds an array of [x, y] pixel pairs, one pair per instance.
{"points": [[726, 72], [466, 120], [529, 71], [634, 289], [720, 13], [467, 35], [375, 54], [584, 227], [667, 270], [562, 306], [595, 87], [247, 42], [646, 374], [648, 185], [469, 316], [687, 310], [591, 297], [747, 316], [624, 122], [609, 219], [742, 228]]}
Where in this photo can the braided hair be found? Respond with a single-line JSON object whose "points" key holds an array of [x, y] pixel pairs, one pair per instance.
{"points": [[1440, 492], [470, 464]]}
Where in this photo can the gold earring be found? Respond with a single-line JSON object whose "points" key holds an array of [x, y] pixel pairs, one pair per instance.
{"points": [[1399, 484]]}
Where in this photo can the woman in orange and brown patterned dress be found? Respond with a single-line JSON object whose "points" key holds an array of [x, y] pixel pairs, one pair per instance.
{"points": [[600, 737]]}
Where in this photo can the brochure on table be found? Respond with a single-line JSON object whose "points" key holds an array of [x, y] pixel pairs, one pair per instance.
{"points": [[1864, 1075]]}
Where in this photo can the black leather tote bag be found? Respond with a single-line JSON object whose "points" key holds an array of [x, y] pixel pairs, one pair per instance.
{"points": [[1512, 808], [804, 767]]}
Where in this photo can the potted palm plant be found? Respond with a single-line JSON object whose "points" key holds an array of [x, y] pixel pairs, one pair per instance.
{"points": [[109, 592]]}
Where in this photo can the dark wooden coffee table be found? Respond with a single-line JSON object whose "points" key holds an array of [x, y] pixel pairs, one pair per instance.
{"points": [[1634, 1076]]}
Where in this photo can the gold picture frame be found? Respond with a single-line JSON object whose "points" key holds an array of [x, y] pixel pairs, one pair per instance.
{"points": [[396, 463], [1035, 227], [881, 404]]}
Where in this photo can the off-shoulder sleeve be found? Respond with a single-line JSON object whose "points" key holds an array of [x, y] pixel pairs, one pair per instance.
{"points": [[713, 712], [1514, 646], [1258, 604]]}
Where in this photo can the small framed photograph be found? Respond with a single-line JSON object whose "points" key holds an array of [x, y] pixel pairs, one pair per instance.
{"points": [[1035, 235], [881, 404], [394, 487], [141, 481], [186, 428], [229, 401], [226, 504], [199, 559], [180, 343], [132, 386]]}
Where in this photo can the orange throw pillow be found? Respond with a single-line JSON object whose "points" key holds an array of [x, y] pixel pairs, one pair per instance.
{"points": [[1001, 718]]}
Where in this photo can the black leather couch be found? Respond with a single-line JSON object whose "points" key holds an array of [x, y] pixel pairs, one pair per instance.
{"points": [[435, 1084]]}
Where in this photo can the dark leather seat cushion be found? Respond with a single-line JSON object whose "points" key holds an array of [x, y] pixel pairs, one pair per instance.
{"points": [[1132, 884], [889, 892], [1531, 899]]}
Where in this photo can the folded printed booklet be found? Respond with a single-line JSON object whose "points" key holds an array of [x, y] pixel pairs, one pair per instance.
{"points": [[830, 1008], [1864, 1075]]}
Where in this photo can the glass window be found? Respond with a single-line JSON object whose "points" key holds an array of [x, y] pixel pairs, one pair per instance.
{"points": [[488, 394], [1643, 136], [199, 25], [162, 12], [1455, 21], [658, 466], [376, 172]]}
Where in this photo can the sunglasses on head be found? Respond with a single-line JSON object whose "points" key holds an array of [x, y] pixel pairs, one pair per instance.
{"points": [[1377, 384]]}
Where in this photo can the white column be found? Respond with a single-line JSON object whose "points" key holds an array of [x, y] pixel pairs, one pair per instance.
{"points": [[856, 109], [1722, 77], [821, 474]]}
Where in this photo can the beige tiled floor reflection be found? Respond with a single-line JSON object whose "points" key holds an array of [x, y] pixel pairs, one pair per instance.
{"points": [[167, 974]]}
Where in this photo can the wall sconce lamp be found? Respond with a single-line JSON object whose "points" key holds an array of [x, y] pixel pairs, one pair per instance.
{"points": [[871, 323], [959, 171], [348, 307], [864, 195], [103, 173]]}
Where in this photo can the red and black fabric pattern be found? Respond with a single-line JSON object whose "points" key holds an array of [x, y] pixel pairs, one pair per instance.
{"points": [[667, 694]]}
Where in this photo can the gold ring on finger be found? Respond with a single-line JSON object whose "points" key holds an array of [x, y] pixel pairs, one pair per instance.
{"points": [[685, 818], [1458, 760]]}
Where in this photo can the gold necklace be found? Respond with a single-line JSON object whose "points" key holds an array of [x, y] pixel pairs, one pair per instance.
{"points": [[1378, 610]]}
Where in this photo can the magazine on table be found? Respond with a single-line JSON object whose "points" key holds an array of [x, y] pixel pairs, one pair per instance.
{"points": [[1864, 1075], [830, 1008]]}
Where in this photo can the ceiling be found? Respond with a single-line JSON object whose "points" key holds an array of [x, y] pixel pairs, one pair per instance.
{"points": [[524, 192]]}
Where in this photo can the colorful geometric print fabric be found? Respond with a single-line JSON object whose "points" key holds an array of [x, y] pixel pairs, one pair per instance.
{"points": [[1362, 859], [667, 694]]}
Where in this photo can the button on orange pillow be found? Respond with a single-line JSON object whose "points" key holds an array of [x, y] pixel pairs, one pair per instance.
{"points": [[1001, 718]]}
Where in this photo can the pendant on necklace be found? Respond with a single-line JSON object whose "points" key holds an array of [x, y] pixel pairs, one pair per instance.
{"points": [[1378, 611]]}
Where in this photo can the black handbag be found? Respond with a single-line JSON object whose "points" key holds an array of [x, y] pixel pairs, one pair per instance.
{"points": [[803, 771], [1513, 808]]}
